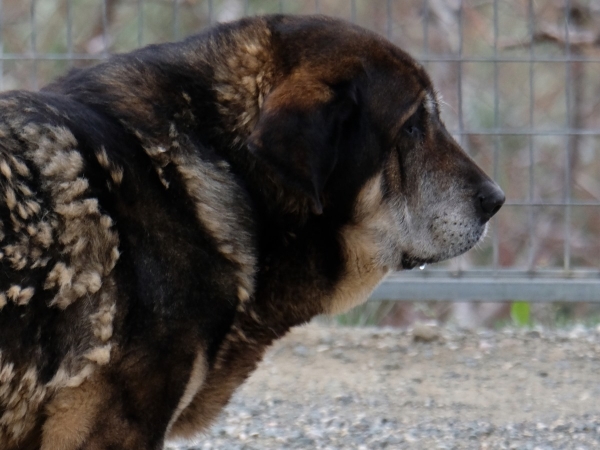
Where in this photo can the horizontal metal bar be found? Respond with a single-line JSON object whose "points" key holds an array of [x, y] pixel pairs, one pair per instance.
{"points": [[542, 204], [528, 132], [512, 59], [508, 273], [428, 58], [490, 289], [52, 56]]}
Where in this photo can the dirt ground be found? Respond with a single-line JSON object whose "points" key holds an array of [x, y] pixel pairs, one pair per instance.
{"points": [[329, 387]]}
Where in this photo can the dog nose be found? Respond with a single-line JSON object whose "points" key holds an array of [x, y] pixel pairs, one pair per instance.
{"points": [[489, 199]]}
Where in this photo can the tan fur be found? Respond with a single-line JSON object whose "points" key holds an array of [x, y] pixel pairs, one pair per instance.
{"points": [[17, 255], [5, 169], [25, 295], [99, 355], [13, 292], [300, 90], [147, 344], [117, 176], [214, 192], [102, 320], [362, 245], [56, 156], [71, 415], [20, 167], [211, 398], [73, 372], [11, 199], [21, 396], [244, 77], [88, 253], [116, 172], [196, 379], [102, 158]]}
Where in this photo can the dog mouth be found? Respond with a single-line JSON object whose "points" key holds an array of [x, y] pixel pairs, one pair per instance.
{"points": [[409, 262]]}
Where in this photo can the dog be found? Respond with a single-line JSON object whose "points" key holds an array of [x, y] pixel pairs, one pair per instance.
{"points": [[169, 213]]}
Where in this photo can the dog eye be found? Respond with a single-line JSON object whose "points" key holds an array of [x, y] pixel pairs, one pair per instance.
{"points": [[413, 127], [414, 132]]}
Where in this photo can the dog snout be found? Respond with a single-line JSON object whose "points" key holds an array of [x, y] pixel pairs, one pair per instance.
{"points": [[489, 199]]}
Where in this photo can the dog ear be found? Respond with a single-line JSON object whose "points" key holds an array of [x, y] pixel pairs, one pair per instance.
{"points": [[298, 131]]}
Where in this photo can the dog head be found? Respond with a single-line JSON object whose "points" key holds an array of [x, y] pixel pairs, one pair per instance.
{"points": [[353, 123]]}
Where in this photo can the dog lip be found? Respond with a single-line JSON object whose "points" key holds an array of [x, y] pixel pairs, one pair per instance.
{"points": [[409, 262]]}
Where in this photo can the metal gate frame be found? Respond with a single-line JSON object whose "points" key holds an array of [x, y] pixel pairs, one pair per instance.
{"points": [[462, 281]]}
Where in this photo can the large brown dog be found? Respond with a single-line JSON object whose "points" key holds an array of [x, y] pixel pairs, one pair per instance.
{"points": [[167, 214]]}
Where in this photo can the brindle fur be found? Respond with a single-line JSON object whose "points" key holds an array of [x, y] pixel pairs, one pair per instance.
{"points": [[167, 214]]}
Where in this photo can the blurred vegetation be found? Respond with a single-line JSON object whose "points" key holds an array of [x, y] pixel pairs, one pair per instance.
{"points": [[479, 54], [520, 313]]}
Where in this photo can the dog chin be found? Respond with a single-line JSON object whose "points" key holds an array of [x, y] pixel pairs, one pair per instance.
{"points": [[409, 262]]}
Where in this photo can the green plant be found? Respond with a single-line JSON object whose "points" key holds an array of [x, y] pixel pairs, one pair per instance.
{"points": [[520, 313]]}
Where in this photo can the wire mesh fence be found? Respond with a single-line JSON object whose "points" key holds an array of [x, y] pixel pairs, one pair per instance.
{"points": [[520, 83]]}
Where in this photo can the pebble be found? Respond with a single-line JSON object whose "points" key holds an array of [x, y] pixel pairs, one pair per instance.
{"points": [[371, 434], [301, 350], [426, 333], [401, 416]]}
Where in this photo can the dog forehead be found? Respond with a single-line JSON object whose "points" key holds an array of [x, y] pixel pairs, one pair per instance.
{"points": [[334, 50], [328, 42]]}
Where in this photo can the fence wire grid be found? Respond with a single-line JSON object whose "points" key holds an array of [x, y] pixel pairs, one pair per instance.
{"points": [[520, 83]]}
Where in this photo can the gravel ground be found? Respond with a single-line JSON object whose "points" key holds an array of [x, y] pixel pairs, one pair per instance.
{"points": [[426, 388]]}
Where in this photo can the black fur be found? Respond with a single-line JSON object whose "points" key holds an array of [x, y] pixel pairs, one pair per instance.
{"points": [[204, 197]]}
